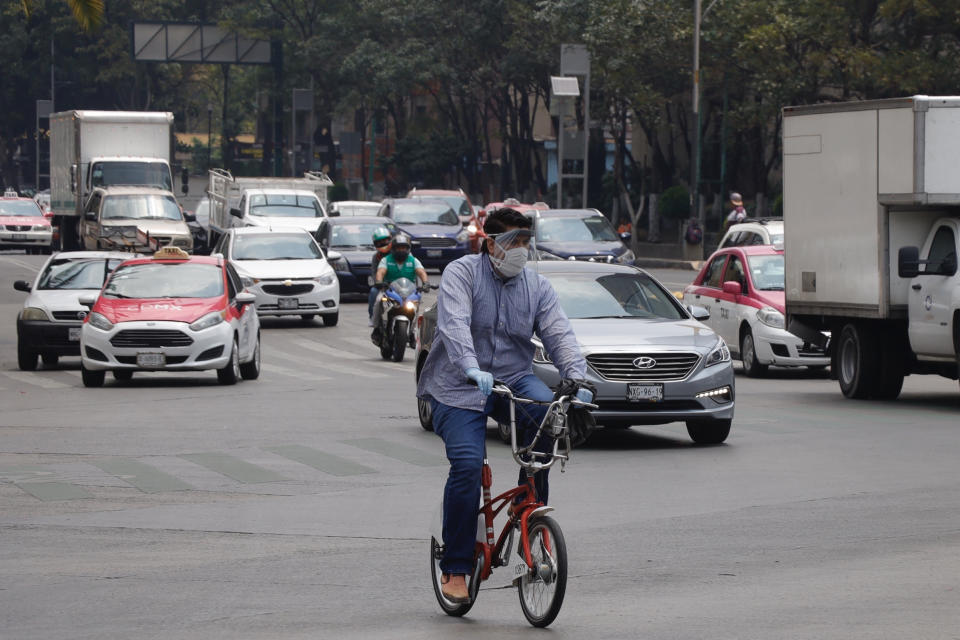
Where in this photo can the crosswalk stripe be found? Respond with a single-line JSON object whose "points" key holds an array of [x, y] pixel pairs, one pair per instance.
{"points": [[331, 351], [239, 470], [35, 379], [142, 476], [326, 365], [299, 375], [51, 491], [328, 463], [397, 451]]}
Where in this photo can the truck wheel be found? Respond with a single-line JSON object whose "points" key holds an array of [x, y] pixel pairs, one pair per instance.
{"points": [[857, 361]]}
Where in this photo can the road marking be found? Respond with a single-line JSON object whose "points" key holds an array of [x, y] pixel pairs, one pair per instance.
{"points": [[30, 267], [142, 476], [235, 468], [331, 351], [35, 379], [292, 373], [72, 372], [328, 463], [397, 451], [326, 365], [51, 491]]}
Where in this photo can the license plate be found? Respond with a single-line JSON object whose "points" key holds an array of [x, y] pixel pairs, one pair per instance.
{"points": [[434, 253], [644, 392], [151, 360], [288, 303], [19, 236], [73, 334]]}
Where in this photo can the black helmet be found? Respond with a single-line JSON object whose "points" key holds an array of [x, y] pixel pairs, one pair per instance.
{"points": [[401, 239]]}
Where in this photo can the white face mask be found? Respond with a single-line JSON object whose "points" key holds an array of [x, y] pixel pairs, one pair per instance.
{"points": [[512, 262]]}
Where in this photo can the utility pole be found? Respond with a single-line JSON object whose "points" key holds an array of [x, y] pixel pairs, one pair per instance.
{"points": [[695, 160]]}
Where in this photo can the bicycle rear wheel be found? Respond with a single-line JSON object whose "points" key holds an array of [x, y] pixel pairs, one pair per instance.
{"points": [[541, 593], [456, 609]]}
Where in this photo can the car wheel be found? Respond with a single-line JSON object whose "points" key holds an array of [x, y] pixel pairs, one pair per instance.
{"points": [[748, 355], [331, 319], [708, 431], [26, 357], [251, 370], [92, 378], [123, 375], [425, 413], [50, 359], [231, 372]]}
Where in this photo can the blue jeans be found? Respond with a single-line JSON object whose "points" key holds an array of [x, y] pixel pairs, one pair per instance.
{"points": [[464, 434], [371, 299]]}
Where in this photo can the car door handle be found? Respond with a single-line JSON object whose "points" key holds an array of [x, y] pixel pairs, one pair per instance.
{"points": [[916, 287]]}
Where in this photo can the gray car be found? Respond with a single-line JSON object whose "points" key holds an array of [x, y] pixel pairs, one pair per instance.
{"points": [[650, 358]]}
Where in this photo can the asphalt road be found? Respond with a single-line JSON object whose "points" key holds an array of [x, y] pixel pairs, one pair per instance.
{"points": [[298, 506]]}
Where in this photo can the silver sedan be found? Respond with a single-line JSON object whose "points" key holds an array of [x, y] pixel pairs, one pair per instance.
{"points": [[651, 359]]}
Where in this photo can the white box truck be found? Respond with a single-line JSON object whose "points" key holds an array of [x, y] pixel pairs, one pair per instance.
{"points": [[240, 201], [871, 205], [90, 149]]}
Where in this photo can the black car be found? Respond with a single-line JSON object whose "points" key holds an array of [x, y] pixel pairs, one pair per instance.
{"points": [[352, 238], [579, 234]]}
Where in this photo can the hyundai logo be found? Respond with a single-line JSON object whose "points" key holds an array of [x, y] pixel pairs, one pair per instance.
{"points": [[644, 362]]}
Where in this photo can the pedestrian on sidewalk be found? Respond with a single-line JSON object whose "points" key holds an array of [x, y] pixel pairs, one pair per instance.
{"points": [[739, 213]]}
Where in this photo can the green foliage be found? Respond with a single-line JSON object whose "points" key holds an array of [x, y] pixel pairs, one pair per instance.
{"points": [[338, 192], [674, 203]]}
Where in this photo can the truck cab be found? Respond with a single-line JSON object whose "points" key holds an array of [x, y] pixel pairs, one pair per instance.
{"points": [[146, 172], [300, 208], [121, 217]]}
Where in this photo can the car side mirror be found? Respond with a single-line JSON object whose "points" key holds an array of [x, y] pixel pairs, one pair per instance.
{"points": [[333, 256], [22, 285], [625, 236], [91, 215], [698, 313], [87, 300], [189, 217], [908, 262], [236, 213], [732, 287], [245, 298]]}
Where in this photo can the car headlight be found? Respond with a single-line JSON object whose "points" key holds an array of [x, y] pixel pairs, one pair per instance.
{"points": [[99, 321], [772, 318], [212, 319], [183, 242], [248, 282], [627, 257], [326, 279], [34, 313], [540, 355], [463, 236], [340, 264], [471, 229], [719, 354], [41, 227]]}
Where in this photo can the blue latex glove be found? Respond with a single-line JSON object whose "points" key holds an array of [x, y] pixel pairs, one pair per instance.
{"points": [[584, 395], [483, 379]]}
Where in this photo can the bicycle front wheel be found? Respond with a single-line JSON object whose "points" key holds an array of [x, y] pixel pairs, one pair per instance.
{"points": [[542, 590]]}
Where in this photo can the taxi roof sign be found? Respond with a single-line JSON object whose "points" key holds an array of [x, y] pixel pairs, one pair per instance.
{"points": [[172, 253]]}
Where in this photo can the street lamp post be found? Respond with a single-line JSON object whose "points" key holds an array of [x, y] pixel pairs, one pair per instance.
{"points": [[695, 160], [209, 131]]}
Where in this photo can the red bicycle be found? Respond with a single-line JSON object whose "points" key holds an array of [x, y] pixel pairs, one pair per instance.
{"points": [[539, 566]]}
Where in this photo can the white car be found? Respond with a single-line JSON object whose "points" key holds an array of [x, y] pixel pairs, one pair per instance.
{"points": [[286, 270], [49, 324], [754, 232], [171, 312], [295, 208], [347, 208]]}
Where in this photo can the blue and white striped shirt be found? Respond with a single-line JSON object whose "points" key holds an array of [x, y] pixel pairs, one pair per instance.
{"points": [[486, 322]]}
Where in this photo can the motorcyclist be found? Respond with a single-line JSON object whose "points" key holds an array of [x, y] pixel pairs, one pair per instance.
{"points": [[382, 241], [397, 264]]}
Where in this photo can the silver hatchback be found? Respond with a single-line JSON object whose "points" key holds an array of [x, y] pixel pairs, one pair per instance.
{"points": [[650, 358]]}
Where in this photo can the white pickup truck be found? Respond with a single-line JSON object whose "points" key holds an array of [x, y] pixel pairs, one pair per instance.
{"points": [[266, 202], [871, 206]]}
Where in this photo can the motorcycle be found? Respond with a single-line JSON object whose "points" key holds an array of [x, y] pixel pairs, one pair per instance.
{"points": [[399, 306]]}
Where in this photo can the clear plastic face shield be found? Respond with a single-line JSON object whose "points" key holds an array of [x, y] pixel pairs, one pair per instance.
{"points": [[511, 250]]}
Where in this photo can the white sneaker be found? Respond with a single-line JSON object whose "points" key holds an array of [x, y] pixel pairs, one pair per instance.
{"points": [[370, 322]]}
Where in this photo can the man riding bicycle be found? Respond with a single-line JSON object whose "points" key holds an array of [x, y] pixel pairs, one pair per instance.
{"points": [[397, 264], [488, 308]]}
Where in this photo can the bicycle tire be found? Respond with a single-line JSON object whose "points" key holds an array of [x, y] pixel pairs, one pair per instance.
{"points": [[455, 609], [541, 595]]}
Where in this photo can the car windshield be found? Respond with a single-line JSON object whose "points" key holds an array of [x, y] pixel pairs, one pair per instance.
{"points": [[588, 229], [614, 295], [425, 213], [166, 280], [285, 205], [20, 208], [353, 235], [766, 272], [369, 209], [275, 246], [140, 207], [457, 203], [146, 174], [77, 273]]}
